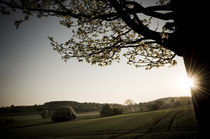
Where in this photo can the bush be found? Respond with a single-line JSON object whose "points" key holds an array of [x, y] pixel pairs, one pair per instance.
{"points": [[63, 114], [106, 110], [155, 106], [117, 111], [45, 114]]}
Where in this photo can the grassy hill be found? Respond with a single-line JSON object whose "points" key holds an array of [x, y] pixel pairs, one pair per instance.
{"points": [[177, 123], [162, 103]]}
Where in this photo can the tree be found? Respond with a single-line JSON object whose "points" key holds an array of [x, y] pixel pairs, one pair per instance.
{"points": [[45, 114], [117, 111], [129, 102], [63, 114], [106, 110], [105, 29], [12, 108], [155, 105]]}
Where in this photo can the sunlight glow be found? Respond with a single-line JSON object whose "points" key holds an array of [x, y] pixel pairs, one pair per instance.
{"points": [[187, 83]]}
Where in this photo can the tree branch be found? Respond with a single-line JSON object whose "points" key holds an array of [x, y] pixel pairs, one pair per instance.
{"points": [[35, 9], [139, 28], [150, 11]]}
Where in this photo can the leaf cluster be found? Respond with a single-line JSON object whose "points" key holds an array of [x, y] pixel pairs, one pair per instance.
{"points": [[100, 33]]}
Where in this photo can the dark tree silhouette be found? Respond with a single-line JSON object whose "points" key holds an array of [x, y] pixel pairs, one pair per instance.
{"points": [[106, 110], [63, 114], [105, 29]]}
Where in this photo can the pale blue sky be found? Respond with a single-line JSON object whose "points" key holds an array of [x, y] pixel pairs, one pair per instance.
{"points": [[31, 72]]}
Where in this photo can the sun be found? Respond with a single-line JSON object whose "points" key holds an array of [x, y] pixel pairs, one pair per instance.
{"points": [[189, 82]]}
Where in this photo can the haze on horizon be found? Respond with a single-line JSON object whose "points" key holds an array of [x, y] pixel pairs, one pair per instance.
{"points": [[31, 72]]}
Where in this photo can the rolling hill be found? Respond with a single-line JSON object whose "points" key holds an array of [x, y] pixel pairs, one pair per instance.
{"points": [[178, 122], [162, 103]]}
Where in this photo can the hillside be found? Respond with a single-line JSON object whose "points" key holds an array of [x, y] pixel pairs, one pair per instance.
{"points": [[163, 103], [177, 123]]}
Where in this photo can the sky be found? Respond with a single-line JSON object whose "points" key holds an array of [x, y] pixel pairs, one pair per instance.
{"points": [[31, 72]]}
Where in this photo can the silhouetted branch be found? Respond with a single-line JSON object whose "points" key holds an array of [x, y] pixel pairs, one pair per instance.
{"points": [[150, 11]]}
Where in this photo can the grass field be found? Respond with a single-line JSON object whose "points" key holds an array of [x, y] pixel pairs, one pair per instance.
{"points": [[171, 123]]}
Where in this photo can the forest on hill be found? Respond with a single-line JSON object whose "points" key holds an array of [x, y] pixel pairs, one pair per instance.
{"points": [[163, 103]]}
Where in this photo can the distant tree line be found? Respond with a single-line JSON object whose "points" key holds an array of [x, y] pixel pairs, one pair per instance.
{"points": [[107, 110], [163, 103], [10, 110]]}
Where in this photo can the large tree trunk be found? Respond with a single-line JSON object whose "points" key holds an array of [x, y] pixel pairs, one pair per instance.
{"points": [[197, 63], [193, 40]]}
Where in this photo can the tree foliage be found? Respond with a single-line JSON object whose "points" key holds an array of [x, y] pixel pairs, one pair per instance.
{"points": [[156, 105], [106, 110], [105, 30], [45, 114], [129, 102], [63, 114], [117, 111]]}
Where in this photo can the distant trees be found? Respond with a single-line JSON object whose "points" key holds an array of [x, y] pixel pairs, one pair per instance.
{"points": [[107, 110], [63, 114], [164, 103], [45, 114], [131, 105], [156, 105], [129, 102], [117, 111], [78, 107], [88, 107]]}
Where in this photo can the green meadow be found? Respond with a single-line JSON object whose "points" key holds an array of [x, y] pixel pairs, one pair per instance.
{"points": [[178, 122]]}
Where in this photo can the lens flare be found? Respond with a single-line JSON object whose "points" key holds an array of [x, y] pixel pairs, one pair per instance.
{"points": [[190, 82], [187, 83]]}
